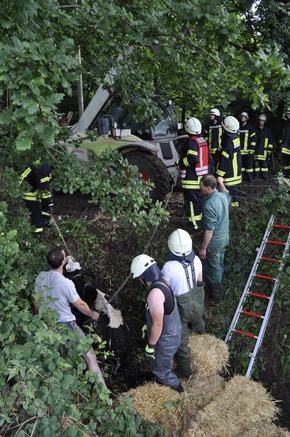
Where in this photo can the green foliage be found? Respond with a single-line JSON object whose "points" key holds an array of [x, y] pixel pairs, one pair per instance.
{"points": [[36, 61], [40, 41], [276, 198], [115, 186]]}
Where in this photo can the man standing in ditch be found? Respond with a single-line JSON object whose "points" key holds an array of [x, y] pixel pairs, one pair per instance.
{"points": [[162, 319], [58, 293], [183, 272], [215, 219]]}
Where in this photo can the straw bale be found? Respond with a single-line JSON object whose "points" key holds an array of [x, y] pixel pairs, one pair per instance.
{"points": [[159, 404], [267, 430], [202, 391], [209, 355], [239, 408]]}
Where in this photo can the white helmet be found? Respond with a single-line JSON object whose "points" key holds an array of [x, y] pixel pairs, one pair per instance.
{"points": [[263, 117], [231, 124], [193, 126], [141, 263], [215, 112], [180, 243], [245, 114]]}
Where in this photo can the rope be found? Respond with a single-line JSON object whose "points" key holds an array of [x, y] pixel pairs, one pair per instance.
{"points": [[60, 234]]}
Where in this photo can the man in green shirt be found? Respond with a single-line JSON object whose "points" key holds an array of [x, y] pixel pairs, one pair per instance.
{"points": [[215, 220]]}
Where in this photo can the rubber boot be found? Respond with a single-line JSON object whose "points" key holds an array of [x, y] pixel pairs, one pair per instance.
{"points": [[179, 388], [183, 370], [217, 293]]}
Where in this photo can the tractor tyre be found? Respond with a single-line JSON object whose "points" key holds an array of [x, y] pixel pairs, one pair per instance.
{"points": [[152, 169]]}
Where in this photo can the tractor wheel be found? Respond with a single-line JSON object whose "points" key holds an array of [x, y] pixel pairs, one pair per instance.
{"points": [[152, 169]]}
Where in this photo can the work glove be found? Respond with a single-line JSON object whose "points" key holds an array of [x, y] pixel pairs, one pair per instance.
{"points": [[150, 351], [72, 265], [144, 331]]}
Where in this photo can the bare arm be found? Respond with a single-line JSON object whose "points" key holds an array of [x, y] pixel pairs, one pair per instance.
{"points": [[156, 301], [85, 309], [205, 242]]}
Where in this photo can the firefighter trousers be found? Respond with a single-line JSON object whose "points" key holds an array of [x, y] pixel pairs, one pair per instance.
{"points": [[193, 200]]}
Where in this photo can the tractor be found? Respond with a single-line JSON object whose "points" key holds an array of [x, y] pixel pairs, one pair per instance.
{"points": [[151, 148]]}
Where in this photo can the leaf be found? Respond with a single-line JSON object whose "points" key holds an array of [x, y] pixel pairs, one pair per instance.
{"points": [[23, 141], [5, 116]]}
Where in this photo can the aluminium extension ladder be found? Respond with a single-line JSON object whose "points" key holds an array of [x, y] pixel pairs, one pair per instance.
{"points": [[267, 297]]}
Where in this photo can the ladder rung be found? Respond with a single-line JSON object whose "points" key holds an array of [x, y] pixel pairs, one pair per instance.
{"points": [[264, 258], [281, 226], [262, 296], [238, 331], [269, 278], [249, 313], [276, 242]]}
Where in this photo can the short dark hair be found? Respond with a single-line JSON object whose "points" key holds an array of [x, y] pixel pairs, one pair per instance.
{"points": [[55, 257], [209, 181]]}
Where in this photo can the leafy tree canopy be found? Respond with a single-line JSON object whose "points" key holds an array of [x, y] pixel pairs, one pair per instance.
{"points": [[199, 53]]}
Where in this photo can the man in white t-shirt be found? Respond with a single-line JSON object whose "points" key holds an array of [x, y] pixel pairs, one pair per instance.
{"points": [[183, 272], [58, 293]]}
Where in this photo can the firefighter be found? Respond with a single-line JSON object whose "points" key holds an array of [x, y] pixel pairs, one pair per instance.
{"points": [[230, 162], [193, 162], [39, 199], [286, 145], [213, 133], [264, 147], [248, 144], [162, 319]]}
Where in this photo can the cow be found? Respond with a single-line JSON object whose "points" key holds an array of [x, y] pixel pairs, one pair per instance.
{"points": [[110, 327]]}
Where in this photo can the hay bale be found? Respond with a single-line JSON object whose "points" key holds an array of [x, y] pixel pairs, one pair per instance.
{"points": [[267, 430], [241, 406], [209, 355], [197, 394], [201, 392], [158, 404]]}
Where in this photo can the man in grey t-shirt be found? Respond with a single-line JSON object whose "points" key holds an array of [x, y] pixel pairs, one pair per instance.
{"points": [[58, 293]]}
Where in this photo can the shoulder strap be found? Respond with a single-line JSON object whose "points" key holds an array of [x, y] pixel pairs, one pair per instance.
{"points": [[158, 282], [169, 303], [185, 266]]}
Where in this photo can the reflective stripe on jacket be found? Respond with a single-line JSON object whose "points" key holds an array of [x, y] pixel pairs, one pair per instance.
{"points": [[213, 136], [230, 163]]}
